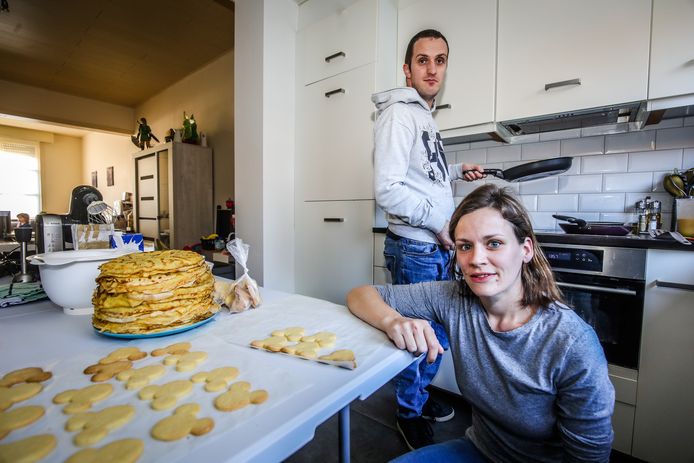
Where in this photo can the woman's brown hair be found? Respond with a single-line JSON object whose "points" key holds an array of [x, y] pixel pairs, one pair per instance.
{"points": [[539, 287]]}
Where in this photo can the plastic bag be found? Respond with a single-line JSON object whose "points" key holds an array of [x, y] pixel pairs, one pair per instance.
{"points": [[242, 293]]}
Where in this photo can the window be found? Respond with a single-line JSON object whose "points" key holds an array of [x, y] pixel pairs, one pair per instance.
{"points": [[19, 178]]}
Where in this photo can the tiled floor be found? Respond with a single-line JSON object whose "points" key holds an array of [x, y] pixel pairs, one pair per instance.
{"points": [[375, 438]]}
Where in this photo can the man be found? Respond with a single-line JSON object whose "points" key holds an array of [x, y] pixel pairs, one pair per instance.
{"points": [[413, 186]]}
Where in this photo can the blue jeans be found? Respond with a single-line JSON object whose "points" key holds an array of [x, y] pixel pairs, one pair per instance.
{"points": [[459, 450], [411, 261]]}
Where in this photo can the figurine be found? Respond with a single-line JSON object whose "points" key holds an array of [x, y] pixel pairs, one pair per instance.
{"points": [[144, 135], [190, 129], [170, 136]]}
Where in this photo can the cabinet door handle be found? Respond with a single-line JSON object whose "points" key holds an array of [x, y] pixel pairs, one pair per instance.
{"points": [[668, 284], [597, 289], [333, 219], [562, 83], [334, 92], [443, 106], [335, 55], [147, 198], [146, 177]]}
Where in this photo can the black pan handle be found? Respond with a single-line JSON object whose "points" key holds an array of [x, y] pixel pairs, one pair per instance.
{"points": [[494, 172], [580, 222]]}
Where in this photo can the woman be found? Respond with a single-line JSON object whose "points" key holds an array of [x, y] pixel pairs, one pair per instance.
{"points": [[533, 371]]}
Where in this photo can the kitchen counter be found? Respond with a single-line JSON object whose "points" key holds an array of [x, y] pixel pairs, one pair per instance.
{"points": [[629, 241], [302, 394]]}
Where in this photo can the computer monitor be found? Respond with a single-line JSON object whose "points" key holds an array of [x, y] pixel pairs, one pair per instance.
{"points": [[5, 223]]}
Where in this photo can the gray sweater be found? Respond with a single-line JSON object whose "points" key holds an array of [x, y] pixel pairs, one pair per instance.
{"points": [[412, 179], [540, 392]]}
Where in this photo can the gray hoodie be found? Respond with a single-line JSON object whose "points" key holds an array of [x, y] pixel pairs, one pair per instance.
{"points": [[412, 179]]}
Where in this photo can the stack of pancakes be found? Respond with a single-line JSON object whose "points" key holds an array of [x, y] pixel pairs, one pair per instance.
{"points": [[149, 292]]}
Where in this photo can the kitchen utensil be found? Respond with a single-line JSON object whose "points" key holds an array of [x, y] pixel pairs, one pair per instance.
{"points": [[676, 185], [100, 212], [580, 226], [69, 277], [530, 170]]}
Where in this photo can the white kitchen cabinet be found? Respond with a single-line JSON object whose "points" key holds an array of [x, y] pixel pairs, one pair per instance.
{"points": [[672, 49], [334, 248], [381, 274], [545, 47], [665, 403], [334, 156], [173, 193], [338, 42], [467, 97]]}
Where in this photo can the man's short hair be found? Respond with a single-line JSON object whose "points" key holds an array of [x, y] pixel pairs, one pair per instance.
{"points": [[426, 33]]}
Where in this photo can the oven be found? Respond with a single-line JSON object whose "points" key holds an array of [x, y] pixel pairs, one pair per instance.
{"points": [[605, 286]]}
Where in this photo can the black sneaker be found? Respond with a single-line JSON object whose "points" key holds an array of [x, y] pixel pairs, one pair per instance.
{"points": [[416, 432], [434, 410]]}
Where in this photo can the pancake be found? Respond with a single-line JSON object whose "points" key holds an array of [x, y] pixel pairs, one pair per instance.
{"points": [[159, 324], [105, 299], [154, 284], [144, 264]]}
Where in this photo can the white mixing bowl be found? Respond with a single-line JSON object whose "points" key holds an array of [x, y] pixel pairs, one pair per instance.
{"points": [[69, 277]]}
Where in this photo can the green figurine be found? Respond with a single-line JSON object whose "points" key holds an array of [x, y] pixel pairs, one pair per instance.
{"points": [[144, 135], [190, 129]]}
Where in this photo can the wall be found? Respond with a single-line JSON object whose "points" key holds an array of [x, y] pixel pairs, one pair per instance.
{"points": [[612, 169], [61, 171], [208, 94], [48, 106], [264, 88], [101, 150]]}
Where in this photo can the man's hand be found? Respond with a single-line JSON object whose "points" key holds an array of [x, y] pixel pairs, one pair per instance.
{"points": [[413, 335], [476, 172], [445, 238]]}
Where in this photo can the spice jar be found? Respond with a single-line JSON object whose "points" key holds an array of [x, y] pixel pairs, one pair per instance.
{"points": [[654, 215], [642, 214]]}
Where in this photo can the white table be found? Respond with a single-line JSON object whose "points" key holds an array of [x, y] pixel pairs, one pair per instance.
{"points": [[31, 333]]}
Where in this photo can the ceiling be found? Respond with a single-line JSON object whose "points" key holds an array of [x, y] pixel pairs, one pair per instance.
{"points": [[115, 51]]}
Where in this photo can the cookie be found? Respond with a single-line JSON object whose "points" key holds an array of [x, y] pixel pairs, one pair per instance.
{"points": [[302, 349], [217, 379], [17, 393], [124, 353], [122, 451], [103, 372], [181, 423], [28, 450], [166, 395], [238, 396], [18, 418], [273, 344], [322, 338], [342, 355], [25, 375], [293, 333], [94, 426], [79, 400], [178, 348], [187, 361], [140, 377]]}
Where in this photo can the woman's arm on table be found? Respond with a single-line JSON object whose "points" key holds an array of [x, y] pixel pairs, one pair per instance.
{"points": [[414, 335]]}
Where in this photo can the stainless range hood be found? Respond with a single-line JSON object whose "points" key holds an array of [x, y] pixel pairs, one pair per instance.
{"points": [[630, 116]]}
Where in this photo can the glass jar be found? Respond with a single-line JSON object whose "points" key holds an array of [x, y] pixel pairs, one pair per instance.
{"points": [[654, 216], [642, 214]]}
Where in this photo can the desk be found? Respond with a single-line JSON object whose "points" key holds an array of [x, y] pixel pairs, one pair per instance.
{"points": [[38, 333]]}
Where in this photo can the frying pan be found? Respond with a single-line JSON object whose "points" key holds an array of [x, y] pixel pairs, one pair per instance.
{"points": [[530, 170], [580, 226]]}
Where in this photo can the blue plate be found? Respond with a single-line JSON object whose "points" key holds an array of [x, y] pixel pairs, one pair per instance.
{"points": [[157, 334]]}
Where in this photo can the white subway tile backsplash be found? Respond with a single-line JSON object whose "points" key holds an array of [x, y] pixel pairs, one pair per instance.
{"points": [[541, 150], [542, 221], [529, 202], [504, 153], [658, 181], [604, 163], [456, 147], [514, 187], [675, 138], [540, 186], [623, 217], [631, 141], [605, 202], [665, 124], [648, 161], [688, 159], [580, 183], [588, 216], [557, 202], [560, 134], [476, 156], [463, 188], [583, 146], [575, 168], [637, 181]]}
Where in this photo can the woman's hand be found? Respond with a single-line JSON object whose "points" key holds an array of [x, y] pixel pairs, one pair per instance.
{"points": [[413, 335]]}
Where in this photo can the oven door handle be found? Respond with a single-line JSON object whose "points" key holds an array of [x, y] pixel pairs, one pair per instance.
{"points": [[597, 288]]}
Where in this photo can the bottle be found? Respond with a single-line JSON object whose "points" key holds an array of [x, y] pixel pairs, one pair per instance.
{"points": [[654, 215], [642, 213]]}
